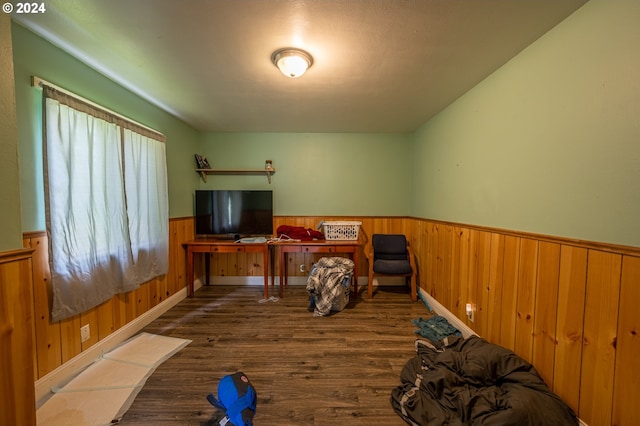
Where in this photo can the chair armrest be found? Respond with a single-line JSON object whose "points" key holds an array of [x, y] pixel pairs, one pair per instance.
{"points": [[368, 252]]}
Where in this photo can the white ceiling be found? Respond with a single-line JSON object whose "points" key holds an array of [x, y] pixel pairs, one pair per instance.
{"points": [[379, 65]]}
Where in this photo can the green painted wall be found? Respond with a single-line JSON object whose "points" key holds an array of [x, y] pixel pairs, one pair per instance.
{"points": [[10, 224], [547, 144], [35, 56], [550, 143], [318, 173]]}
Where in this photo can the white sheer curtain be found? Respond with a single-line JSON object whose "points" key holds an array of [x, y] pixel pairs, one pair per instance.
{"points": [[147, 204], [87, 217], [107, 208]]}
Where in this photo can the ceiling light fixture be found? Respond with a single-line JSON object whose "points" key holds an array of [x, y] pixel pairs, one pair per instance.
{"points": [[292, 62]]}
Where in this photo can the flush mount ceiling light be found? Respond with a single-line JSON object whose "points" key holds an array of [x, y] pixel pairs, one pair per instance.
{"points": [[292, 62]]}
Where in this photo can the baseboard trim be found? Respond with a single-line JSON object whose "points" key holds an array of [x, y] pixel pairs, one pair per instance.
{"points": [[253, 280], [444, 312], [258, 280], [79, 362]]}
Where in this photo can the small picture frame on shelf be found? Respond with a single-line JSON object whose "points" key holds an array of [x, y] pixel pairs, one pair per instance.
{"points": [[202, 162]]}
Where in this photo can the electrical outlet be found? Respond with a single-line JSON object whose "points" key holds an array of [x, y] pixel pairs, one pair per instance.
{"points": [[85, 333], [302, 267], [471, 311]]}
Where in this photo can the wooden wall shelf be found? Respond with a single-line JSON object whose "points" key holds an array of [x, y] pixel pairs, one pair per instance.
{"points": [[204, 172]]}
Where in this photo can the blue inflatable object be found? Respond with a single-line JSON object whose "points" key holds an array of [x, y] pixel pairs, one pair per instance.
{"points": [[237, 398]]}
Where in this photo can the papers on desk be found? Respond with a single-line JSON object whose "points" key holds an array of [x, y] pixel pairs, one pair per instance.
{"points": [[258, 240]]}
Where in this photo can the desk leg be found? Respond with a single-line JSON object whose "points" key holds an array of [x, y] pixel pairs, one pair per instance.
{"points": [[282, 272], [189, 272], [355, 271], [265, 262], [285, 268], [272, 265], [207, 267]]}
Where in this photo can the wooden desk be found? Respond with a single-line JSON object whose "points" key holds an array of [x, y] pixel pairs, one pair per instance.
{"points": [[316, 246], [208, 246]]}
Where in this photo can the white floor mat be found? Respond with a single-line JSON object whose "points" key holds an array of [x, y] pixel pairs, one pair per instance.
{"points": [[102, 393]]}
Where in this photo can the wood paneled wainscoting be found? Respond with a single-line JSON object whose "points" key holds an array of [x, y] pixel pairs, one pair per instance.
{"points": [[236, 267], [58, 342], [370, 226], [569, 307], [17, 400]]}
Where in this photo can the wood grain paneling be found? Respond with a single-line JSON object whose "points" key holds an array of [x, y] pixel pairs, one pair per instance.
{"points": [[469, 294], [568, 306], [105, 317], [441, 280], [509, 292], [599, 338], [527, 274], [545, 311], [571, 293], [70, 345], [17, 400], [432, 261], [463, 262], [47, 341], [626, 392], [483, 269], [454, 273], [494, 288], [446, 246]]}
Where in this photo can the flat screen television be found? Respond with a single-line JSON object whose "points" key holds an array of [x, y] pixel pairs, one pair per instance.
{"points": [[234, 213]]}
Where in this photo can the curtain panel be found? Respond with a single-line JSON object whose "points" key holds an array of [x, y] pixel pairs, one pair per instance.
{"points": [[106, 204], [82, 106], [147, 205]]}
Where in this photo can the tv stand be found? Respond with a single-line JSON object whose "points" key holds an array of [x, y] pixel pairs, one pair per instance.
{"points": [[213, 246]]}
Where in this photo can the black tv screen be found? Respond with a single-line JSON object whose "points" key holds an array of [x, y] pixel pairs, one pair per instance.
{"points": [[234, 213]]}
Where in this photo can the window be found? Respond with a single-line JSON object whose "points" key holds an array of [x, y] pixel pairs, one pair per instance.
{"points": [[107, 204]]}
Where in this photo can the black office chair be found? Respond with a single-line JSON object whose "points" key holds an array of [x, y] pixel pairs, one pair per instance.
{"points": [[392, 256]]}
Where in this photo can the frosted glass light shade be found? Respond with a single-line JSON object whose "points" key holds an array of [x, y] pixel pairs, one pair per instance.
{"points": [[292, 62]]}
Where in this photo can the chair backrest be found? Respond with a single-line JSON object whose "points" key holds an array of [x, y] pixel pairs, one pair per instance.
{"points": [[389, 246]]}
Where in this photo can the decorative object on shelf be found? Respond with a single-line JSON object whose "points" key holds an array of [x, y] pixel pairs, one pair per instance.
{"points": [[268, 165], [202, 162], [292, 62]]}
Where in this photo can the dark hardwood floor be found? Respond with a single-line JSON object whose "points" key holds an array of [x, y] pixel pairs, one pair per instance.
{"points": [[335, 370]]}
